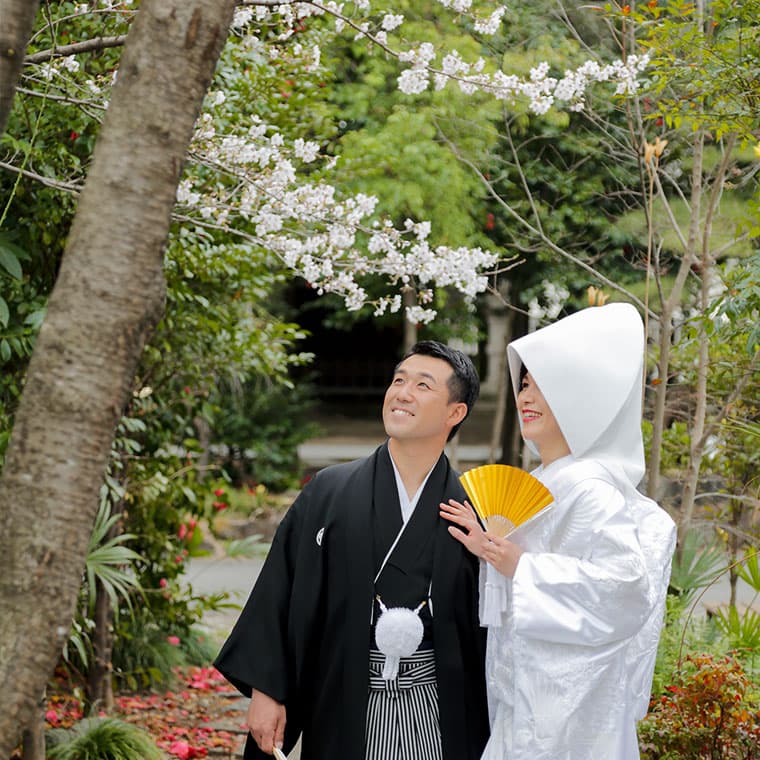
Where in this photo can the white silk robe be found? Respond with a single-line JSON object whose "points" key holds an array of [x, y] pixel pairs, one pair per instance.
{"points": [[573, 637]]}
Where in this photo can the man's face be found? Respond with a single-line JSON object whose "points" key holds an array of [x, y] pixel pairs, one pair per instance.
{"points": [[417, 404]]}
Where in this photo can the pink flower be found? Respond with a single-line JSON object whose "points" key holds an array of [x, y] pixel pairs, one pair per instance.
{"points": [[173, 640], [51, 716], [182, 531], [182, 750], [163, 583]]}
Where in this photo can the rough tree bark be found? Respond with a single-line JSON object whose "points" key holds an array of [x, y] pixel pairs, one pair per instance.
{"points": [[108, 297], [15, 29]]}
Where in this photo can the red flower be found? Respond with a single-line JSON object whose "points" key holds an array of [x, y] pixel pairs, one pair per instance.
{"points": [[182, 750], [173, 640], [489, 221], [73, 135], [220, 505], [51, 716], [219, 492], [163, 583], [182, 531]]}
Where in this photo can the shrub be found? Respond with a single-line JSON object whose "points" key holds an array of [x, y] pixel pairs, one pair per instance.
{"points": [[711, 713], [101, 739]]}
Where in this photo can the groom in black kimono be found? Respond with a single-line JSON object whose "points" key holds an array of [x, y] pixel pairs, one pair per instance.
{"points": [[363, 537]]}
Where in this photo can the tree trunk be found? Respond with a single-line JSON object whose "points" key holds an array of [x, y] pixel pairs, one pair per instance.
{"points": [[99, 678], [33, 740], [511, 438], [108, 297], [410, 329], [15, 29], [666, 318], [698, 433]]}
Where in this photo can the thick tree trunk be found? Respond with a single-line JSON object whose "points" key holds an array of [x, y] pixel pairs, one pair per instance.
{"points": [[15, 29], [108, 297]]}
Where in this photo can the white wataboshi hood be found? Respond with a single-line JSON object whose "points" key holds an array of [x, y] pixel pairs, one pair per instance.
{"points": [[589, 367]]}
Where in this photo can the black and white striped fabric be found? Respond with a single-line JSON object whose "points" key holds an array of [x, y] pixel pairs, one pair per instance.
{"points": [[402, 715]]}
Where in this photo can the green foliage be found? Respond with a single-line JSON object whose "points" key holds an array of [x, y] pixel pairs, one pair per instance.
{"points": [[711, 712], [108, 565], [695, 565], [683, 632], [248, 547], [102, 739], [741, 302], [106, 560], [741, 630], [148, 650], [705, 68], [261, 446], [749, 569]]}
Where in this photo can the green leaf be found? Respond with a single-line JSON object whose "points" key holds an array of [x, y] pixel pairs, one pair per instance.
{"points": [[10, 263], [5, 314], [749, 570], [5, 350]]}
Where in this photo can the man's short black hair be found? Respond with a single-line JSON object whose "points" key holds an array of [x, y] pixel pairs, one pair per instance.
{"points": [[464, 385]]}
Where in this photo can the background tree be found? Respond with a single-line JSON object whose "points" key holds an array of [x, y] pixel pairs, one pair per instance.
{"points": [[110, 290]]}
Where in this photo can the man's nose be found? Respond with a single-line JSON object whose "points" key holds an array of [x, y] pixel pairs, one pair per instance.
{"points": [[405, 392]]}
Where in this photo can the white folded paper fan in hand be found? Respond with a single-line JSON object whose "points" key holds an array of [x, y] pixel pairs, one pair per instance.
{"points": [[504, 497]]}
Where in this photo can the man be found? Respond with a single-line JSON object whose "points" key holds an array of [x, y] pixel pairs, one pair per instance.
{"points": [[364, 540]]}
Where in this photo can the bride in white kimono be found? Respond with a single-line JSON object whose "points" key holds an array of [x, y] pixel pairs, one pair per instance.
{"points": [[574, 600]]}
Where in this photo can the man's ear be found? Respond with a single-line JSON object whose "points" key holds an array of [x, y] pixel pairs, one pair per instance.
{"points": [[457, 413]]}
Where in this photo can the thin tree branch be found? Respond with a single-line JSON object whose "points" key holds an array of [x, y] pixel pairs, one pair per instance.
{"points": [[544, 238], [61, 98], [87, 46], [669, 211], [54, 183]]}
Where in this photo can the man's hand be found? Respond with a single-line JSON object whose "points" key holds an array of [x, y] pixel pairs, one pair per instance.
{"points": [[266, 721]]}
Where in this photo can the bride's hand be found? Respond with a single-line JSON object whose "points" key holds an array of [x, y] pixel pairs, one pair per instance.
{"points": [[466, 529], [499, 552]]}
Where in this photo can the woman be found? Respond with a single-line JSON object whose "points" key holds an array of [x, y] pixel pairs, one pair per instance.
{"points": [[574, 600]]}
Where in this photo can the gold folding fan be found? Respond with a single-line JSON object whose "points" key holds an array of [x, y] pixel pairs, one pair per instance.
{"points": [[504, 497]]}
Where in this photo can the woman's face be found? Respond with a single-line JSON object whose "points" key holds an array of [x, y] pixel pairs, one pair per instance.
{"points": [[539, 424]]}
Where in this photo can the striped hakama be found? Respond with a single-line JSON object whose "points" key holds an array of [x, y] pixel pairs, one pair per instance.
{"points": [[402, 714]]}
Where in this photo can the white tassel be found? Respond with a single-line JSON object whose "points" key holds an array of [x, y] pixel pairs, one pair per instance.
{"points": [[495, 598]]}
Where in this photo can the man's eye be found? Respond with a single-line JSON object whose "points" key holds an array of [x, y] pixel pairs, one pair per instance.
{"points": [[423, 385]]}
